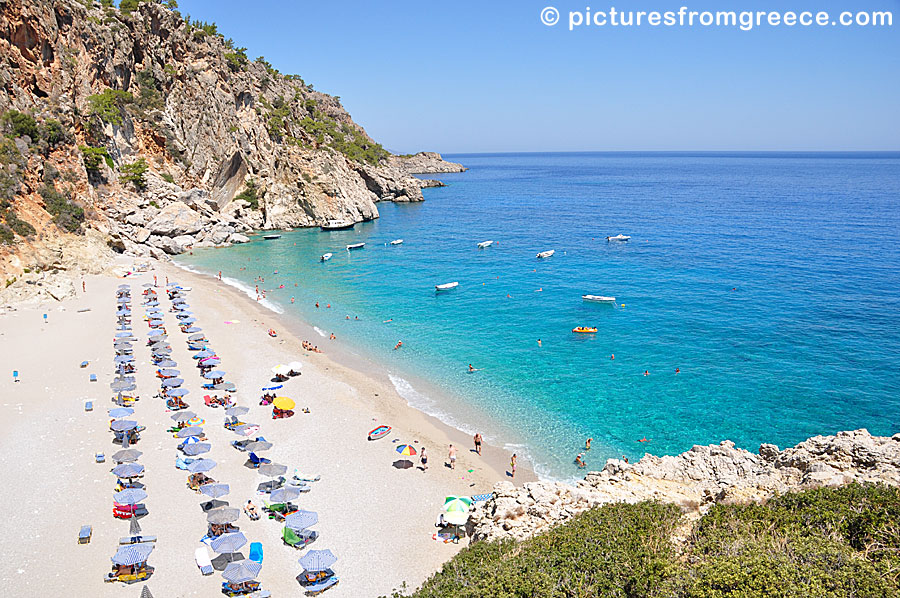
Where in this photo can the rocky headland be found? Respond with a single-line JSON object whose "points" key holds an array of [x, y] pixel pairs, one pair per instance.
{"points": [[694, 480]]}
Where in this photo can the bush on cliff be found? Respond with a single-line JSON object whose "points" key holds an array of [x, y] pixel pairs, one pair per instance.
{"points": [[66, 214], [826, 543]]}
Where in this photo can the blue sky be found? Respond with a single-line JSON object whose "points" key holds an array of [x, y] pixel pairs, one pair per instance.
{"points": [[489, 76]]}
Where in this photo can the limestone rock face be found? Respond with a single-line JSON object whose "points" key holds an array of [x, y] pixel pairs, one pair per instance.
{"points": [[425, 163], [176, 219], [695, 480]]}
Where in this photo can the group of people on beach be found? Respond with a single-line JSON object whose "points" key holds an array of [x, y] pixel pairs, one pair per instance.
{"points": [[310, 347]]}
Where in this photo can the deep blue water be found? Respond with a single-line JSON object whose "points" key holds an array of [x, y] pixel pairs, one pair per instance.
{"points": [[770, 280]]}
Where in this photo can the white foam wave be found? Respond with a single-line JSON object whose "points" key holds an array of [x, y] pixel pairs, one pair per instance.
{"points": [[320, 332], [246, 289]]}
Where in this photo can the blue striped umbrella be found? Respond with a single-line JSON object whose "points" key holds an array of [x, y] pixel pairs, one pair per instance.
{"points": [[132, 554], [129, 496], [301, 520], [201, 465], [242, 571], [317, 560], [128, 470], [230, 542]]}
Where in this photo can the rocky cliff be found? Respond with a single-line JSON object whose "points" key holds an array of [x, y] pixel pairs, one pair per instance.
{"points": [[695, 480], [161, 134]]}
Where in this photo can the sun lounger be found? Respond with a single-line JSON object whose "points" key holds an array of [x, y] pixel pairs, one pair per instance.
{"points": [[136, 539], [298, 539], [89, 405], [84, 364], [256, 461], [320, 586], [256, 552], [100, 458], [201, 556], [93, 377], [84, 535]]}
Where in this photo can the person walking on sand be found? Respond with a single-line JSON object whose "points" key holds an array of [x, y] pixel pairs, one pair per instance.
{"points": [[452, 455], [512, 465], [478, 443], [423, 459], [83, 289]]}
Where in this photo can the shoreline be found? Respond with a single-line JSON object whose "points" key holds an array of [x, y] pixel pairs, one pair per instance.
{"points": [[346, 358]]}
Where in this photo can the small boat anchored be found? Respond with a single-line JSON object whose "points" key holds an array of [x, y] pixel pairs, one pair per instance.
{"points": [[355, 246], [545, 254], [445, 287], [584, 330], [485, 244], [619, 238], [379, 432], [337, 225], [598, 299], [397, 242], [271, 237], [325, 257]]}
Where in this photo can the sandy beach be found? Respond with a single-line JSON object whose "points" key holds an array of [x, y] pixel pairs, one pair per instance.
{"points": [[377, 519]]}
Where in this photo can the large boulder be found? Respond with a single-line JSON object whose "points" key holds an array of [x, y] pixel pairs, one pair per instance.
{"points": [[176, 219]]}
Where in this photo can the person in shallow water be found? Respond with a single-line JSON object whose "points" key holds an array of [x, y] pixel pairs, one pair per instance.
{"points": [[579, 461], [587, 445], [471, 369], [398, 345]]}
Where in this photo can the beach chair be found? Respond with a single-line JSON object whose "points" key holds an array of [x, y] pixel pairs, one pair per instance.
{"points": [[89, 405], [84, 364], [136, 539], [201, 556], [239, 589], [299, 539], [93, 377], [84, 535], [99, 458], [256, 552], [320, 586]]}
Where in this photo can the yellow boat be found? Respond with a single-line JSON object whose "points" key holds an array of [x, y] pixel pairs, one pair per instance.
{"points": [[584, 330]]}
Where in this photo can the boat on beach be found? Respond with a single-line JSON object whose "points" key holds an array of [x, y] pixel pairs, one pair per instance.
{"points": [[355, 246], [584, 330], [485, 244], [397, 242], [445, 287], [337, 225], [325, 257], [545, 254], [271, 237], [619, 238], [598, 299], [379, 432]]}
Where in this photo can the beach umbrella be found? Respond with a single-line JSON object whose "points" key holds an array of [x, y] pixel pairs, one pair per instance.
{"points": [[121, 425], [193, 329], [133, 554], [247, 429], [166, 363], [126, 455], [295, 366], [403, 464], [203, 353], [123, 335], [301, 520], [183, 312], [195, 421], [214, 374], [223, 515], [128, 470], [317, 560], [215, 490], [284, 403], [257, 446], [271, 470], [189, 441], [147, 285], [266, 487], [281, 370], [276, 387], [201, 465], [188, 320], [123, 358], [176, 392], [212, 504], [120, 412], [227, 386], [242, 571], [155, 333], [230, 542], [286, 494], [123, 327], [159, 344], [162, 351], [197, 337], [122, 344], [406, 450], [457, 504], [196, 448], [236, 411], [168, 373], [188, 432], [183, 416], [129, 496], [134, 527], [172, 382], [209, 362]]}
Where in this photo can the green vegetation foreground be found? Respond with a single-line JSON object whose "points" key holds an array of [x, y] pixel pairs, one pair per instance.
{"points": [[822, 543]]}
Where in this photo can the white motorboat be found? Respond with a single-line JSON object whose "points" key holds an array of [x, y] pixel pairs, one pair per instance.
{"points": [[325, 257], [355, 246], [598, 299], [445, 287], [337, 225], [484, 244], [619, 238], [271, 237], [397, 242], [545, 254]]}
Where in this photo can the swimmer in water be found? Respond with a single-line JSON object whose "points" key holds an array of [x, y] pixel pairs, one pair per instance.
{"points": [[644, 439], [540, 344], [579, 461], [471, 369], [398, 345], [646, 372], [613, 356], [328, 306], [292, 299], [348, 317], [677, 370], [317, 305], [386, 321]]}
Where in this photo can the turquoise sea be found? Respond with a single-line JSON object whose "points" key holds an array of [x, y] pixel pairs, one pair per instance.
{"points": [[772, 281]]}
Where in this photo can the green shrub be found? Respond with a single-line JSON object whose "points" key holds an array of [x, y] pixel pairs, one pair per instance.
{"points": [[66, 214], [6, 238], [53, 131], [249, 194], [18, 226], [237, 60], [19, 124], [126, 6], [150, 97], [135, 172], [167, 177], [92, 157], [107, 106]]}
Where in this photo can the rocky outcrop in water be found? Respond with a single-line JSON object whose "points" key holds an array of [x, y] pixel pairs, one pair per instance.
{"points": [[695, 480], [163, 135]]}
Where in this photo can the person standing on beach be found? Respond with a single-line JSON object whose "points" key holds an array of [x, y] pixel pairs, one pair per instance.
{"points": [[452, 454], [423, 459], [512, 465], [83, 289], [478, 443]]}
